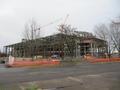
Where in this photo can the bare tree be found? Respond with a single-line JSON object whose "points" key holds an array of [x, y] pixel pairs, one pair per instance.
{"points": [[102, 32], [115, 35], [111, 34], [69, 38], [30, 34], [32, 30]]}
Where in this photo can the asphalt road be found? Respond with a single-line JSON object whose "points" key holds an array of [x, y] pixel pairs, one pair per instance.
{"points": [[85, 76]]}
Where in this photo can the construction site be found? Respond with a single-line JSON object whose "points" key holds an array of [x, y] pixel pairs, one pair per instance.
{"points": [[68, 43], [63, 45]]}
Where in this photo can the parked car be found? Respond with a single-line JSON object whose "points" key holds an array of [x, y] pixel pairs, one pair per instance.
{"points": [[55, 56]]}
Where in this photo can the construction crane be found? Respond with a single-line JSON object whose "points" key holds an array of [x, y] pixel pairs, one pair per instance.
{"points": [[38, 29], [66, 18], [43, 26], [48, 24], [63, 24]]}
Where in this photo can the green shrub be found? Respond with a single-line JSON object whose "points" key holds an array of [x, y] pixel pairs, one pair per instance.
{"points": [[33, 87]]}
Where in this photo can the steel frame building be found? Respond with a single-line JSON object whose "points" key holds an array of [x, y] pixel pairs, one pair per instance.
{"points": [[61, 44]]}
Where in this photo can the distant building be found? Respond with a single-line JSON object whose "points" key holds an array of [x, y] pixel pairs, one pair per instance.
{"points": [[77, 44]]}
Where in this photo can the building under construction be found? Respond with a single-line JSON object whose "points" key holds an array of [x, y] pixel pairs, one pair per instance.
{"points": [[62, 45]]}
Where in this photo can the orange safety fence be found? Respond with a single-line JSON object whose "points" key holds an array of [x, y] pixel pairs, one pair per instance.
{"points": [[106, 60], [93, 59], [89, 57], [34, 63]]}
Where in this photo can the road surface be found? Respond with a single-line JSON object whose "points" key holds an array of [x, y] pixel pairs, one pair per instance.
{"points": [[83, 76]]}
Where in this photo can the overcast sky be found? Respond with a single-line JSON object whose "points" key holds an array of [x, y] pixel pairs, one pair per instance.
{"points": [[83, 14]]}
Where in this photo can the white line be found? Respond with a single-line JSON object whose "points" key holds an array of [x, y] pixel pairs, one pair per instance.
{"points": [[75, 79]]}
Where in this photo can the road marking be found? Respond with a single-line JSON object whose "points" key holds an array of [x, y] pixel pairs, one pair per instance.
{"points": [[75, 79], [93, 75], [33, 73]]}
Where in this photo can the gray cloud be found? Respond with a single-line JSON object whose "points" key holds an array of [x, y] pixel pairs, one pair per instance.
{"points": [[84, 14]]}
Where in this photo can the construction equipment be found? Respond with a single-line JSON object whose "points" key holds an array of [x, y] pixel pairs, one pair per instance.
{"points": [[48, 24], [63, 24]]}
